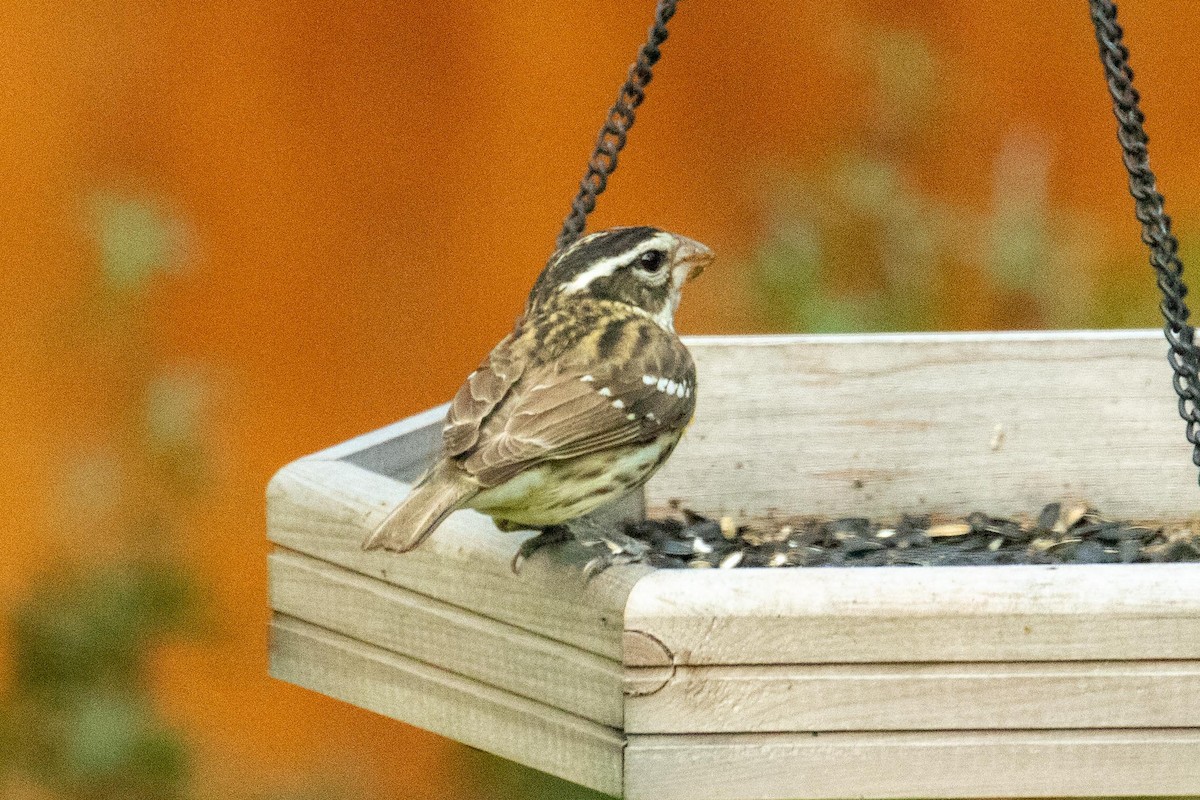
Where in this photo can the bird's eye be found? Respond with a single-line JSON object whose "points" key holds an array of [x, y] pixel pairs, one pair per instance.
{"points": [[652, 260]]}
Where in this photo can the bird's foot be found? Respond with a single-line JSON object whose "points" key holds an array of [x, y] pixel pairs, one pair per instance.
{"points": [[555, 534], [612, 549]]}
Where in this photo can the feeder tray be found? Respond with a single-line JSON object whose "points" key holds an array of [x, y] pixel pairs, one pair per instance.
{"points": [[867, 682]]}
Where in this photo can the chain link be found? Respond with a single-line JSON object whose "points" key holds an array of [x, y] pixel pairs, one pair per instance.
{"points": [[616, 126], [1156, 225]]}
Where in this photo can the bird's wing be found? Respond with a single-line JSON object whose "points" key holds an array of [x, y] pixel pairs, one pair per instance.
{"points": [[479, 396], [562, 412]]}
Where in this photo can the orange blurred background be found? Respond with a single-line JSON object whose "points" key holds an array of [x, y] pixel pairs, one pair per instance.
{"points": [[369, 188]]}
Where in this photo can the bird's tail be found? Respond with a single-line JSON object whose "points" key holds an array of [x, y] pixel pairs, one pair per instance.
{"points": [[435, 496]]}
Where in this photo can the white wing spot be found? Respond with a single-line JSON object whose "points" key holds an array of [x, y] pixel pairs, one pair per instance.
{"points": [[631, 417], [671, 386], [649, 380], [680, 390], [662, 384], [650, 415], [605, 391], [587, 379], [618, 403]]}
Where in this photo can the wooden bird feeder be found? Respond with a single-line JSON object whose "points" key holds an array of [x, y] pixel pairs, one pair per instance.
{"points": [[741, 684], [842, 682]]}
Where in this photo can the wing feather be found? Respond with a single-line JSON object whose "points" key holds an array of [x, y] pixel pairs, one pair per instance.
{"points": [[479, 396], [556, 414]]}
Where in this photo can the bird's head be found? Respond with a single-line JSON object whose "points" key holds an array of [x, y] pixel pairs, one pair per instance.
{"points": [[642, 267]]}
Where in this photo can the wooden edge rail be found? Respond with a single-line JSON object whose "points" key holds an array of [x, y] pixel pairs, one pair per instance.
{"points": [[482, 716], [783, 698], [1094, 612], [947, 764], [448, 637]]}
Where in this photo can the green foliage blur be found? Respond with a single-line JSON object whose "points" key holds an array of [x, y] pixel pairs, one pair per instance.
{"points": [[78, 721], [858, 244]]}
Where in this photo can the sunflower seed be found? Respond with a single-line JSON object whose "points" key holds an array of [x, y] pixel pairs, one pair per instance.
{"points": [[732, 560], [1074, 515], [948, 529], [728, 528]]}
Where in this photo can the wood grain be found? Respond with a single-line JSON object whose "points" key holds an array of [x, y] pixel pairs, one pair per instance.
{"points": [[1105, 612], [447, 637], [324, 509], [902, 697], [882, 425], [502, 723], [913, 765]]}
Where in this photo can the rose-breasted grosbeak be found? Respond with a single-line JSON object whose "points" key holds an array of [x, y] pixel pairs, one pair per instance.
{"points": [[580, 404]]}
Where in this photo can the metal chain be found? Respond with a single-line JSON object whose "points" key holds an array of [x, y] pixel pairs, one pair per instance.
{"points": [[616, 126], [1156, 225]]}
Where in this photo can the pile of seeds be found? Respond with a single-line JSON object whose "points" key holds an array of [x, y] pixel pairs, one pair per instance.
{"points": [[1058, 535]]}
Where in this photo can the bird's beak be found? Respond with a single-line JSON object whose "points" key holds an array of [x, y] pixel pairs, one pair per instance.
{"points": [[691, 258]]}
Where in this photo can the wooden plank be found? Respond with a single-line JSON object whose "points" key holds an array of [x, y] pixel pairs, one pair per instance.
{"points": [[882, 425], [767, 766], [324, 509], [481, 716], [880, 697], [447, 637], [919, 614]]}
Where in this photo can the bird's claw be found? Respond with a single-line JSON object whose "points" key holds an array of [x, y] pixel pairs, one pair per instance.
{"points": [[615, 549], [555, 534]]}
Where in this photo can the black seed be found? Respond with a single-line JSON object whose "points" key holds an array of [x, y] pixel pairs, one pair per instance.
{"points": [[674, 547], [979, 521], [1093, 553], [875, 558], [858, 544], [974, 542], [850, 526], [1128, 551], [709, 530], [911, 539], [909, 523], [1105, 532], [1181, 551], [1049, 516]]}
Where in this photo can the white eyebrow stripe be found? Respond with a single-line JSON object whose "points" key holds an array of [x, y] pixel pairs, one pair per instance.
{"points": [[607, 266]]}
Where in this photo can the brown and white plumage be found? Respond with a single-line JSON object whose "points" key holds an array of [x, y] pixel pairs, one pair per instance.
{"points": [[579, 404]]}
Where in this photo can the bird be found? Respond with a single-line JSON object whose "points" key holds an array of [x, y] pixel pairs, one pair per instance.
{"points": [[579, 405]]}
